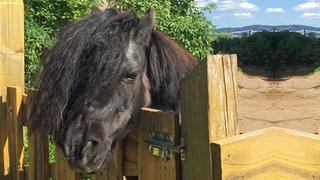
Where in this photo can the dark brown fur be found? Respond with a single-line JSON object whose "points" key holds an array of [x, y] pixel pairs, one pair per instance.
{"points": [[95, 79]]}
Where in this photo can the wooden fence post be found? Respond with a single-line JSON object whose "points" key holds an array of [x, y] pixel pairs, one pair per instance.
{"points": [[38, 152], [208, 112], [63, 171], [11, 67], [15, 133]]}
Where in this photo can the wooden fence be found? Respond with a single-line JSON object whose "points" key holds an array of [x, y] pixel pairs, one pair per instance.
{"points": [[11, 74], [206, 138], [212, 148], [134, 157]]}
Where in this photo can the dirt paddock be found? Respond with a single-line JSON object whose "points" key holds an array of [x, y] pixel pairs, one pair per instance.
{"points": [[291, 100]]}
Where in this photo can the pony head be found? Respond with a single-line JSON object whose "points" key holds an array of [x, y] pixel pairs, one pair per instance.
{"points": [[96, 78]]}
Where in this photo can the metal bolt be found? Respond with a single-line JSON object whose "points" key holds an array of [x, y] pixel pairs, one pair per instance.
{"points": [[151, 149], [183, 157], [151, 134], [160, 136]]}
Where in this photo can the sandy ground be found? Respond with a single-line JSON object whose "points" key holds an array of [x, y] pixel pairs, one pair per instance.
{"points": [[290, 101]]}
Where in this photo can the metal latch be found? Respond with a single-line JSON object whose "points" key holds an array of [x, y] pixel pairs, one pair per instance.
{"points": [[160, 145]]}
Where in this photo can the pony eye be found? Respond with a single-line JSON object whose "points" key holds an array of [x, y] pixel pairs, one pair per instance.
{"points": [[130, 77]]}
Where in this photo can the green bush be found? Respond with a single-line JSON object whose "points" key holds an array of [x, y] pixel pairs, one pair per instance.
{"points": [[43, 19], [272, 49]]}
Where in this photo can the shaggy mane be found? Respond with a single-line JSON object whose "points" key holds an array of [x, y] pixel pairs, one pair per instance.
{"points": [[168, 64], [63, 80]]}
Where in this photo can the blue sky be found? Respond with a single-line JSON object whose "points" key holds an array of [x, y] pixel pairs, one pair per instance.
{"points": [[238, 13]]}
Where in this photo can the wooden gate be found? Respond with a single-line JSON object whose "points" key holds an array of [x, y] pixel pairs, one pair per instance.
{"points": [[202, 143]]}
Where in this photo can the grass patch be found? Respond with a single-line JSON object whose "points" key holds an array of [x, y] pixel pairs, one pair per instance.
{"points": [[312, 73], [241, 70]]}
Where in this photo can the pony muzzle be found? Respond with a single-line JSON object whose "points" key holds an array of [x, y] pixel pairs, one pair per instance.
{"points": [[85, 154]]}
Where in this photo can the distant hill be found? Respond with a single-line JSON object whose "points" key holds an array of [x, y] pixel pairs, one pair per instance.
{"points": [[270, 28], [239, 31]]}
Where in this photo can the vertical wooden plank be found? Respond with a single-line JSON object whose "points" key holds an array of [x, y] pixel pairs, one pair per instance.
{"points": [[4, 153], [11, 44], [11, 66], [115, 170], [15, 132], [38, 156], [234, 67], [194, 125], [130, 154], [222, 96], [38, 152], [208, 112], [63, 171], [151, 166]]}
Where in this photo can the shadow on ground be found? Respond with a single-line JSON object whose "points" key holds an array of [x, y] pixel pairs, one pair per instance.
{"points": [[278, 74]]}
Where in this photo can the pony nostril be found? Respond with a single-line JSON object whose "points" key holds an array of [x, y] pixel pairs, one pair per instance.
{"points": [[90, 145], [89, 108], [94, 143]]}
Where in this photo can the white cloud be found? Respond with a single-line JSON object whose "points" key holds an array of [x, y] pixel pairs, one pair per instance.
{"points": [[236, 8], [311, 9], [204, 3], [216, 17], [274, 10], [311, 15], [248, 6], [310, 5], [243, 15], [235, 5]]}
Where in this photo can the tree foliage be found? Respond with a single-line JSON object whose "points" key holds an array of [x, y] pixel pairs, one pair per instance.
{"points": [[272, 49], [43, 19]]}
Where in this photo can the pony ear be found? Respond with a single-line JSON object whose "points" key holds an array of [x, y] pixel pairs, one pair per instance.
{"points": [[110, 13], [95, 10], [147, 21], [145, 26]]}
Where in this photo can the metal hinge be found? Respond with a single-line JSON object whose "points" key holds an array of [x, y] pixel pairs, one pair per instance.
{"points": [[160, 145]]}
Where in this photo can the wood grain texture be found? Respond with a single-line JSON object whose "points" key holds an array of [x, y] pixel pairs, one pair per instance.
{"points": [[15, 133], [11, 67], [130, 154], [11, 45], [268, 153], [208, 112], [152, 167], [222, 110], [63, 171], [38, 151]]}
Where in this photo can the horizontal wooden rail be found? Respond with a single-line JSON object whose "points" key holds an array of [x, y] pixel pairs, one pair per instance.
{"points": [[271, 153]]}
